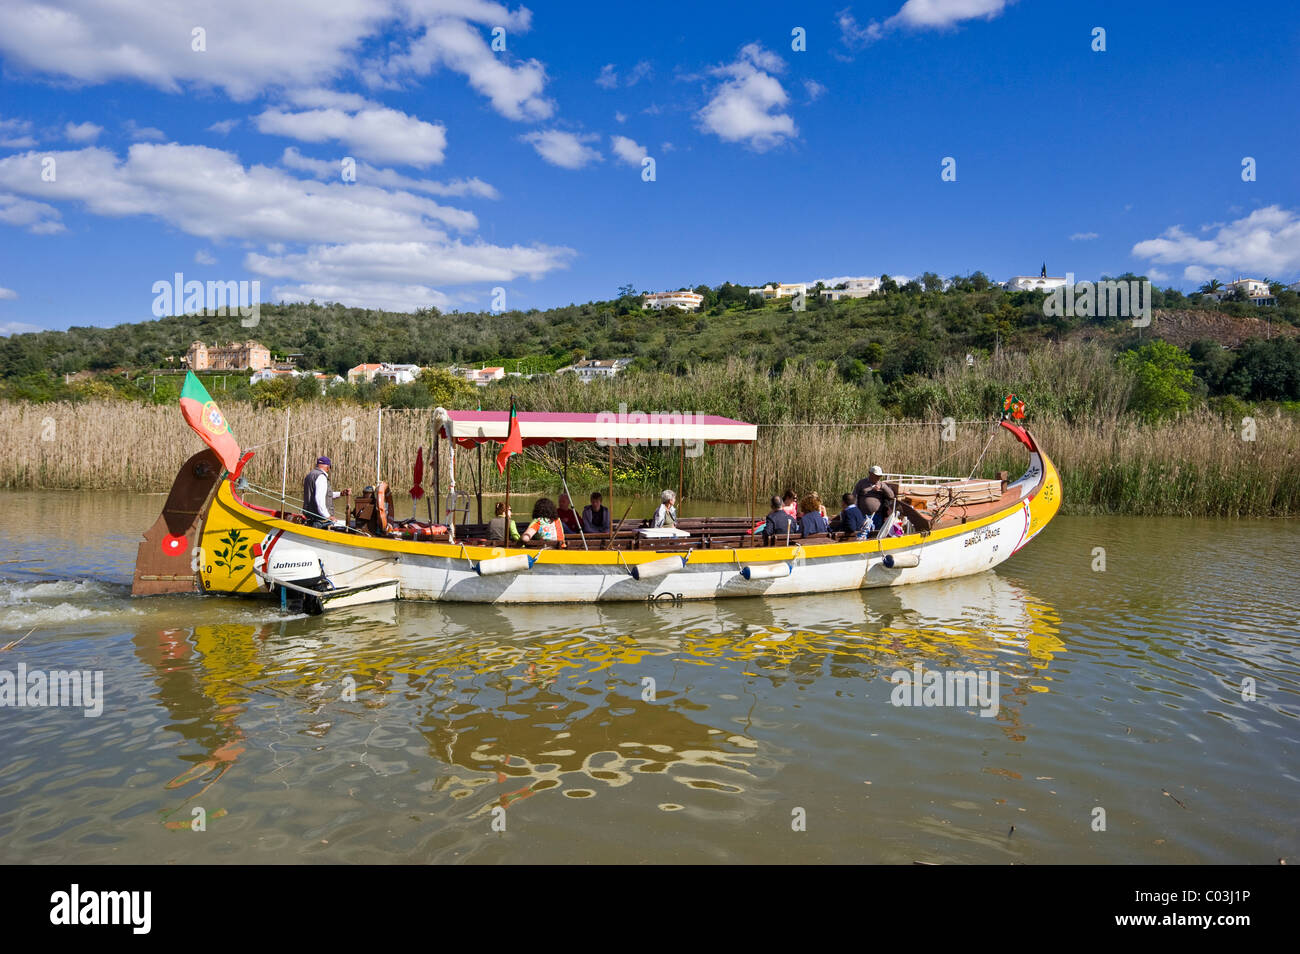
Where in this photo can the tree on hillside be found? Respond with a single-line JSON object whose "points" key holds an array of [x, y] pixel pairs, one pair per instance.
{"points": [[1212, 285], [1164, 379]]}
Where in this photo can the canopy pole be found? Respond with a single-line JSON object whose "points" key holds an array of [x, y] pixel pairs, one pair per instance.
{"points": [[284, 464], [451, 491], [509, 516], [610, 502], [564, 482], [753, 488], [478, 486], [379, 443], [437, 470], [681, 475]]}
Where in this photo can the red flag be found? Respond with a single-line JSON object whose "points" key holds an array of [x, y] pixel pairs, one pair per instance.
{"points": [[417, 491], [514, 442]]}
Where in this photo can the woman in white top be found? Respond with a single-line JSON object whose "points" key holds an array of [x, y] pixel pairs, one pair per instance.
{"points": [[666, 515]]}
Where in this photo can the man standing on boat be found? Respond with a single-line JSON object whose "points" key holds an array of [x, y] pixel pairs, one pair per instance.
{"points": [[873, 495], [316, 495]]}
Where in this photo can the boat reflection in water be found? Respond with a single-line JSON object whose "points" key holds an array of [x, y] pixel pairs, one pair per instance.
{"points": [[511, 702]]}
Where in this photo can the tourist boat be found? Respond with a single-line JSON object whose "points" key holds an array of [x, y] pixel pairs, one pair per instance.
{"points": [[210, 538]]}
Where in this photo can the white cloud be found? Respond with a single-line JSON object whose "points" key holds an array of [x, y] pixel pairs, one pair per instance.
{"points": [[17, 328], [379, 133], [1084, 236], [932, 14], [16, 134], [620, 117], [224, 126], [369, 175], [746, 106], [251, 44], [814, 89], [138, 133], [37, 217], [207, 193], [448, 40], [386, 246], [608, 78], [627, 149], [918, 15], [1266, 242], [204, 257], [441, 262], [564, 149], [82, 132], [7, 294], [1158, 275], [400, 275], [852, 34]]}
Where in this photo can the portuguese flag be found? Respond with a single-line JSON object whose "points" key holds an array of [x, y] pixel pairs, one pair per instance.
{"points": [[203, 415], [514, 442]]}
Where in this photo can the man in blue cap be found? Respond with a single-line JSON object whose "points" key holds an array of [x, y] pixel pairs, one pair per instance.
{"points": [[316, 495]]}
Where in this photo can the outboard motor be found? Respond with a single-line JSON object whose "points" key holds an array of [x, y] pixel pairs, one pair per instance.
{"points": [[294, 563]]}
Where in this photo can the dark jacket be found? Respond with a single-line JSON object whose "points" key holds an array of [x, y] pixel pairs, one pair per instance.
{"points": [[813, 523], [593, 524], [778, 523], [849, 520]]}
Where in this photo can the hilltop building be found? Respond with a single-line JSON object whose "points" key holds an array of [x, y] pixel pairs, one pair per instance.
{"points": [[591, 370], [685, 300], [393, 373], [274, 374], [480, 377], [854, 288], [782, 290], [1255, 291], [1041, 282], [236, 356]]}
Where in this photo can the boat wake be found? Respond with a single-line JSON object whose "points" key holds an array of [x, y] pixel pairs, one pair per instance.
{"points": [[26, 603]]}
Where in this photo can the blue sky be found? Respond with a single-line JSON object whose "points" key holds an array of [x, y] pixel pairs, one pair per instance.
{"points": [[522, 168]]}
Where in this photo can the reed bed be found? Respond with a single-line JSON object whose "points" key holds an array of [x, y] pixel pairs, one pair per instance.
{"points": [[1196, 465]]}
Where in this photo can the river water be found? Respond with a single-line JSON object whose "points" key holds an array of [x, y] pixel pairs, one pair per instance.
{"points": [[1127, 728]]}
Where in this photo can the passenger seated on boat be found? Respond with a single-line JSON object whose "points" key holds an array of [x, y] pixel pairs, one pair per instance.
{"points": [[564, 509], [849, 519], [790, 503], [502, 524], [546, 524], [666, 514], [813, 522], [595, 516], [780, 525]]}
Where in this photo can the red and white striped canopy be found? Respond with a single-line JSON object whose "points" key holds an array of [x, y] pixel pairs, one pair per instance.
{"points": [[471, 428]]}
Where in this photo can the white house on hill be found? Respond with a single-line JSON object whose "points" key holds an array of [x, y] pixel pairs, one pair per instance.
{"points": [[853, 288], [685, 300], [1040, 282], [590, 370]]}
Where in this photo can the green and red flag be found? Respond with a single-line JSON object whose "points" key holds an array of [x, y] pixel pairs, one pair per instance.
{"points": [[514, 442], [203, 415]]}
